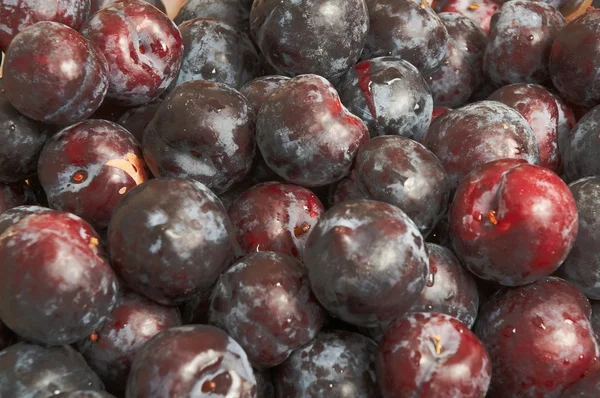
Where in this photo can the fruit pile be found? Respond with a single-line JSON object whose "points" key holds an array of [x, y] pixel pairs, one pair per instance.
{"points": [[300, 199]]}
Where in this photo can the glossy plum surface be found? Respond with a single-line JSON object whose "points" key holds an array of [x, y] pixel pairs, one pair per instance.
{"points": [[16, 214], [389, 95], [16, 15], [99, 4], [216, 52], [450, 289], [217, 363], [264, 302], [512, 222], [406, 29], [539, 339], [367, 262], [466, 138], [275, 217], [142, 46], [336, 363], [87, 168], [234, 12], [432, 355], [323, 37], [64, 85], [204, 131], [170, 239], [258, 90], [306, 135], [402, 172], [28, 370], [478, 11], [131, 324], [56, 286]]}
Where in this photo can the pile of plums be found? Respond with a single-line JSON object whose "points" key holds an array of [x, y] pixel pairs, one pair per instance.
{"points": [[300, 199]]}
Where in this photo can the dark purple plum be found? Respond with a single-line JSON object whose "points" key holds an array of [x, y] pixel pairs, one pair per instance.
{"points": [[265, 387], [53, 75], [478, 11], [346, 189], [100, 4], [595, 318], [306, 135], [589, 386], [389, 95], [512, 222], [137, 119], [335, 364], [582, 265], [17, 15], [204, 131], [275, 217], [87, 168], [13, 195], [575, 60], [7, 336], [539, 339], [470, 40], [466, 138], [142, 46], [450, 289], [431, 355], [440, 235], [520, 40], [406, 29], [367, 262], [539, 107], [109, 111], [16, 214], [216, 52], [455, 81], [234, 12], [258, 90], [56, 286], [21, 140], [402, 172], [28, 370], [322, 37], [195, 310], [170, 239], [264, 303], [580, 154], [191, 361], [132, 323]]}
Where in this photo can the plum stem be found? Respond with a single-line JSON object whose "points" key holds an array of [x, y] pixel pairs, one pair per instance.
{"points": [[438, 343]]}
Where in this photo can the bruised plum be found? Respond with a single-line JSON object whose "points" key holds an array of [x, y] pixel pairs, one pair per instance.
{"points": [[367, 262], [170, 239], [264, 302]]}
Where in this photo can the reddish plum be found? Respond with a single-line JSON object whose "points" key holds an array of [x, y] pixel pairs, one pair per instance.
{"points": [[21, 140], [539, 339], [28, 370], [204, 131], [402, 172], [216, 52], [234, 12], [512, 222], [264, 302], [191, 361], [389, 95], [17, 15], [143, 48], [334, 364], [520, 40], [137, 119], [170, 239], [258, 90], [87, 168], [367, 262], [16, 214], [13, 195], [589, 386], [431, 355], [100, 4], [575, 60], [275, 217], [582, 146], [306, 135], [478, 11], [52, 74], [540, 108], [450, 288], [323, 37], [133, 322], [582, 265], [466, 138], [406, 29]]}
